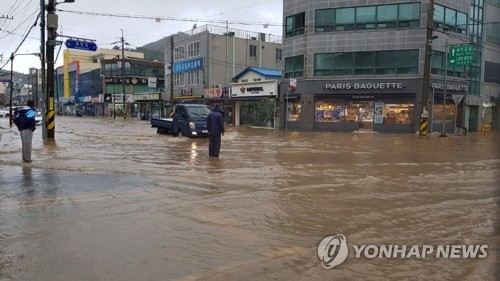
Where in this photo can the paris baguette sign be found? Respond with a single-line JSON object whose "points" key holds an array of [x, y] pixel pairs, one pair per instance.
{"points": [[365, 86], [389, 85]]}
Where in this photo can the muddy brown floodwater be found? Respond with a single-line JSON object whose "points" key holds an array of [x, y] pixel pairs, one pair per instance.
{"points": [[113, 200]]}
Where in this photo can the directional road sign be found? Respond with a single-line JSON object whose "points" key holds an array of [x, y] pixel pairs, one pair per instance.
{"points": [[81, 45], [460, 55]]}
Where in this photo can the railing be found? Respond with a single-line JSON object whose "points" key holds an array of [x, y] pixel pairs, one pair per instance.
{"points": [[232, 32]]}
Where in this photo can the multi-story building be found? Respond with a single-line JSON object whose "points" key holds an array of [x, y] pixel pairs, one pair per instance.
{"points": [[205, 60], [138, 85], [79, 82], [352, 65], [35, 80]]}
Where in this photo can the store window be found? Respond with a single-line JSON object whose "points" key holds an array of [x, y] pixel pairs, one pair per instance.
{"points": [[396, 111], [257, 113], [294, 108], [388, 111], [336, 110], [437, 113]]}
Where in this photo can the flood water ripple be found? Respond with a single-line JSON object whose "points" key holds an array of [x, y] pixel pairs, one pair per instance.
{"points": [[112, 200]]}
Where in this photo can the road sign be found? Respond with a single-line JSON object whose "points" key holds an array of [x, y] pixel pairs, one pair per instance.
{"points": [[107, 98], [460, 55], [457, 98], [81, 45]]}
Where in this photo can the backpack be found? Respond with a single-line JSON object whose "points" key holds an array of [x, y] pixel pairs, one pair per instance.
{"points": [[22, 121]]}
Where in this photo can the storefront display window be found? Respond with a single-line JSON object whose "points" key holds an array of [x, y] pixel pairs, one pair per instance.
{"points": [[398, 111], [257, 113], [293, 110], [333, 110], [449, 113]]}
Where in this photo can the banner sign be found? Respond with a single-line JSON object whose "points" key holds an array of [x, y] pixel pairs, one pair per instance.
{"points": [[188, 65]]}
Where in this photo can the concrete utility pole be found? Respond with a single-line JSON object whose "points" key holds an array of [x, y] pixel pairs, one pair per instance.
{"points": [[171, 72], [42, 67], [123, 76], [11, 86], [427, 68], [52, 24]]}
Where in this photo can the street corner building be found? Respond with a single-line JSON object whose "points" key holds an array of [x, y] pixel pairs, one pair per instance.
{"points": [[354, 65]]}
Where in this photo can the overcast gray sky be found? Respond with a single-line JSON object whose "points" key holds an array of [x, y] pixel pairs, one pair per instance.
{"points": [[139, 28]]}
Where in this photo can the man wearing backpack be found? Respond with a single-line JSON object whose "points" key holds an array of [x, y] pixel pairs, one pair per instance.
{"points": [[25, 122]]}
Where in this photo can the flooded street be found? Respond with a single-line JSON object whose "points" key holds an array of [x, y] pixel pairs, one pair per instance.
{"points": [[113, 200]]}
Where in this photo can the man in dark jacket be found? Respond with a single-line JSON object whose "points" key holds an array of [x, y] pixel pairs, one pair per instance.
{"points": [[215, 126], [25, 122]]}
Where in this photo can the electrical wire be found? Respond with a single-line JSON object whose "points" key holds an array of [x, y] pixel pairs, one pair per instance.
{"points": [[164, 18], [20, 44]]}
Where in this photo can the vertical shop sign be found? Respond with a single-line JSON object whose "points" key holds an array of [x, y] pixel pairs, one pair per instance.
{"points": [[379, 113]]}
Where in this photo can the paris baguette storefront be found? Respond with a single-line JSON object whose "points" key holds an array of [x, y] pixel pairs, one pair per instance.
{"points": [[350, 105]]}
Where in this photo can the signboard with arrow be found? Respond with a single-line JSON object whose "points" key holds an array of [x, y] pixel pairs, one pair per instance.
{"points": [[461, 55]]}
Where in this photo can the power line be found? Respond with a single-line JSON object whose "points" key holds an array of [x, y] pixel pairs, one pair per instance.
{"points": [[22, 41], [166, 18]]}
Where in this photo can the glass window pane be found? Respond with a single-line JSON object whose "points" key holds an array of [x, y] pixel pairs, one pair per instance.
{"points": [[364, 60], [438, 13], [289, 64], [450, 17], [408, 58], [387, 13], [461, 20], [300, 20], [344, 16], [289, 24], [409, 11], [365, 14], [325, 17], [385, 62], [385, 59], [323, 62], [343, 61], [437, 60]]}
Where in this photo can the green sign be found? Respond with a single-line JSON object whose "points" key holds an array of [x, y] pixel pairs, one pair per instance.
{"points": [[460, 55]]}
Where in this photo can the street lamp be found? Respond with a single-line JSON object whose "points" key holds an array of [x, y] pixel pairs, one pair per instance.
{"points": [[12, 56]]}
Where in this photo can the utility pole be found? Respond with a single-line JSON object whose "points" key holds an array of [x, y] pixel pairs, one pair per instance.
{"points": [[52, 22], [172, 72], [42, 68], [11, 86], [123, 76], [427, 69]]}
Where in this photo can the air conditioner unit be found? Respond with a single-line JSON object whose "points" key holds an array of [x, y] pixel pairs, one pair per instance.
{"points": [[262, 36]]}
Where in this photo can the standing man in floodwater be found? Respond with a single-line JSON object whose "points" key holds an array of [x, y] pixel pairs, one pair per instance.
{"points": [[25, 122], [215, 126]]}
